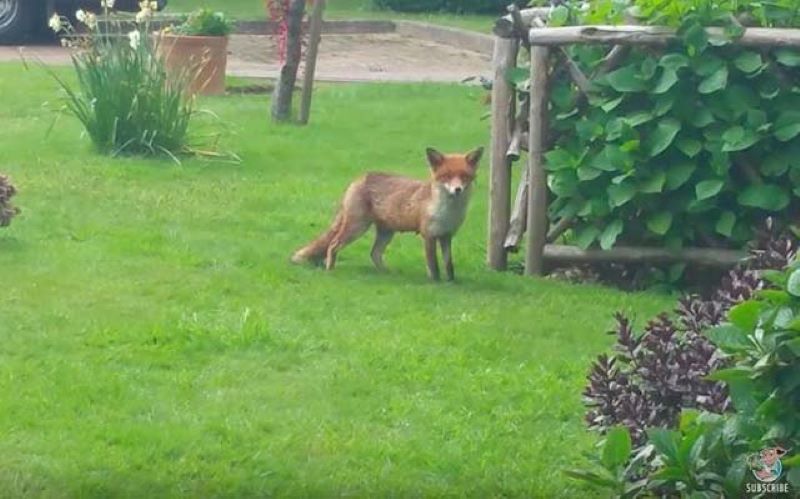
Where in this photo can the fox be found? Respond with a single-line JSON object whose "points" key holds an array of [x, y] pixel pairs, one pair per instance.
{"points": [[435, 209]]}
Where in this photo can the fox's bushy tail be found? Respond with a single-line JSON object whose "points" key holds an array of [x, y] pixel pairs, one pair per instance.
{"points": [[317, 250]]}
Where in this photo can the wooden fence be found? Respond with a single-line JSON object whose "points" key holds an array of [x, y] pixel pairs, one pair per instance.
{"points": [[518, 126]]}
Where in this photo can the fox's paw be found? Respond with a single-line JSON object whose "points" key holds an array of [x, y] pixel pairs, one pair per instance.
{"points": [[302, 258]]}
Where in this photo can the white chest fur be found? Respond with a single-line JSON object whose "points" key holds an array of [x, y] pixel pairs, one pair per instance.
{"points": [[447, 212]]}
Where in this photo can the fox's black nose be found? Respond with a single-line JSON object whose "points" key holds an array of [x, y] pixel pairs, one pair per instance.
{"points": [[458, 190]]}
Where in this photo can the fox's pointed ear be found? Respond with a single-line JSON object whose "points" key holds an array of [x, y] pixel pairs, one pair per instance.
{"points": [[435, 158], [474, 157]]}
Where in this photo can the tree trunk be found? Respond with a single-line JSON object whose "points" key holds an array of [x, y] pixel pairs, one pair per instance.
{"points": [[282, 97]]}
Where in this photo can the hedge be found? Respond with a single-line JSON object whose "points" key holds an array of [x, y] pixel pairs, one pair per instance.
{"points": [[455, 6]]}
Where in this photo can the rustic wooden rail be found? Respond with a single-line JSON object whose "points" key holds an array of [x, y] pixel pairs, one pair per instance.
{"points": [[655, 35], [527, 129]]}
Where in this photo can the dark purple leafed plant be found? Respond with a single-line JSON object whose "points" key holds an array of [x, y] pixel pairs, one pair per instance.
{"points": [[7, 210], [652, 376]]}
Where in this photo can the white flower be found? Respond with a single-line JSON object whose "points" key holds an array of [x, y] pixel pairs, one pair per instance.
{"points": [[55, 23], [107, 4], [80, 15], [135, 38], [153, 5], [91, 20]]}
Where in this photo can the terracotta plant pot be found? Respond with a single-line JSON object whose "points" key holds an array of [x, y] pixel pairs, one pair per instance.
{"points": [[205, 56]]}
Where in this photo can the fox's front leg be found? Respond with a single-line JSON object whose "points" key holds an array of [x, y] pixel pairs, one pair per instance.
{"points": [[447, 257], [431, 259]]}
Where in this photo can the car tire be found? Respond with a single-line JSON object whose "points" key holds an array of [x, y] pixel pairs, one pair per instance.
{"points": [[16, 19]]}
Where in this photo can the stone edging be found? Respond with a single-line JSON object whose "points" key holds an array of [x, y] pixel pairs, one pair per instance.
{"points": [[468, 40], [461, 38]]}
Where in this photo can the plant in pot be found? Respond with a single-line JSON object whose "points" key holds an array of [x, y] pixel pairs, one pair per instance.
{"points": [[200, 44]]}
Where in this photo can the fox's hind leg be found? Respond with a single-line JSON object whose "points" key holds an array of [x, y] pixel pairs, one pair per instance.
{"points": [[349, 232], [382, 239]]}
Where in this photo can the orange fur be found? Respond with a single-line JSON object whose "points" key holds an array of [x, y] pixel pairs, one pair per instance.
{"points": [[435, 209]]}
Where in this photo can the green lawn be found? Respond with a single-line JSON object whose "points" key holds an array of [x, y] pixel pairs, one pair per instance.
{"points": [[155, 341], [337, 9]]}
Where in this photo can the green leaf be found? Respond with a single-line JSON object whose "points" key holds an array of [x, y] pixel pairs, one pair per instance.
{"points": [[776, 164], [674, 61], [787, 126], [518, 76], [626, 79], [662, 136], [559, 159], [660, 222], [679, 173], [617, 448], [610, 234], [665, 442], [668, 79], [745, 315], [654, 184], [701, 118], [725, 224], [707, 64], [586, 173], [757, 120], [648, 68], [688, 146], [738, 139], [731, 374], [793, 284], [764, 196], [610, 105], [708, 188], [676, 271], [740, 388], [794, 346], [663, 104], [585, 236], [564, 183], [776, 297], [788, 57], [728, 337], [748, 62], [638, 118], [717, 81], [621, 193], [592, 477], [558, 16], [695, 38]]}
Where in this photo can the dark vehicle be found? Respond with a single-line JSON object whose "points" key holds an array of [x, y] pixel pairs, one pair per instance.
{"points": [[22, 19]]}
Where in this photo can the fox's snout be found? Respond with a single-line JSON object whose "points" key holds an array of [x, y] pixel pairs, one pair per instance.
{"points": [[454, 188]]}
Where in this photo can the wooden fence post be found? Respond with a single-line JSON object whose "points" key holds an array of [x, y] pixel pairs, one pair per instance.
{"points": [[315, 33], [537, 138], [503, 99]]}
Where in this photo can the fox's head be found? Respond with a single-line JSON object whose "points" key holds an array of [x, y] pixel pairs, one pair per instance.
{"points": [[454, 173]]}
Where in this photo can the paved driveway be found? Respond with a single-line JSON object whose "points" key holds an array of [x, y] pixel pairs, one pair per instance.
{"points": [[364, 57]]}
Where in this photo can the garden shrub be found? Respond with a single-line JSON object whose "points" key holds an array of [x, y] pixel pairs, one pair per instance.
{"points": [[455, 6], [124, 98], [7, 210], [652, 376], [204, 22], [687, 145], [686, 404]]}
